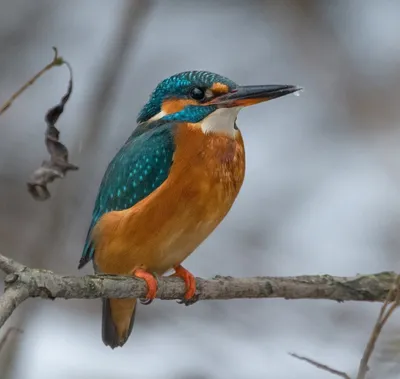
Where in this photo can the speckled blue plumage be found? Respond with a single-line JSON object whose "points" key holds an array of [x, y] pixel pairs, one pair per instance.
{"points": [[179, 86], [141, 166]]}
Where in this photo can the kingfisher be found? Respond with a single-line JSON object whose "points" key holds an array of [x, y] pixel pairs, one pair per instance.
{"points": [[169, 186]]}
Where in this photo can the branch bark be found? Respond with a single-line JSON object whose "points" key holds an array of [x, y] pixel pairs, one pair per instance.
{"points": [[10, 300], [23, 282], [10, 266]]}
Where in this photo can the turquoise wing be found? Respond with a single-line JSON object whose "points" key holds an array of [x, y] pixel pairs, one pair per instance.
{"points": [[141, 166]]}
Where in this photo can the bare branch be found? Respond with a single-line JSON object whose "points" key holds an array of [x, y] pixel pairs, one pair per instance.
{"points": [[22, 282], [45, 283], [321, 366]]}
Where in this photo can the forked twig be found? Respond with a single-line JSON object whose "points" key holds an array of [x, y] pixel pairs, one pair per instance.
{"points": [[57, 61], [384, 315]]}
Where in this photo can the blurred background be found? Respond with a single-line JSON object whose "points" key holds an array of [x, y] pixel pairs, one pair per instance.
{"points": [[321, 195]]}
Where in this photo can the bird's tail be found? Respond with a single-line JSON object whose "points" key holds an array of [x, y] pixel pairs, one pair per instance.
{"points": [[118, 319]]}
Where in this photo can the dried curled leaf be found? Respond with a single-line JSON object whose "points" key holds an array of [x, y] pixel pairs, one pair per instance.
{"points": [[58, 165]]}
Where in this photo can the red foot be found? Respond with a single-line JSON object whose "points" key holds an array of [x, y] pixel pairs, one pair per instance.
{"points": [[150, 281], [189, 279]]}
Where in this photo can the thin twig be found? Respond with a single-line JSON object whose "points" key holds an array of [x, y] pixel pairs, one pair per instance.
{"points": [[321, 366], [57, 61], [384, 315]]}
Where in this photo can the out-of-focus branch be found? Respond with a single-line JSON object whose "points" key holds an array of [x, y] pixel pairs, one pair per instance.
{"points": [[111, 70], [6, 335], [22, 282]]}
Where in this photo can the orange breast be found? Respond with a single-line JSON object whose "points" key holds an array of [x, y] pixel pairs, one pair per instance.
{"points": [[163, 229]]}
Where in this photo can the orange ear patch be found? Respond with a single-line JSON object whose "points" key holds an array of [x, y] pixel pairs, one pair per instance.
{"points": [[170, 106], [219, 88]]}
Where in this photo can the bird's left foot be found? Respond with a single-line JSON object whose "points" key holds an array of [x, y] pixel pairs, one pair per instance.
{"points": [[190, 283]]}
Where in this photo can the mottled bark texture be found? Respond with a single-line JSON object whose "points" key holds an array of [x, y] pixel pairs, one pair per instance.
{"points": [[22, 282]]}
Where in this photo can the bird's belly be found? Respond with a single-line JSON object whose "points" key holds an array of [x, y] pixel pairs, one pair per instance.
{"points": [[162, 233], [177, 244]]}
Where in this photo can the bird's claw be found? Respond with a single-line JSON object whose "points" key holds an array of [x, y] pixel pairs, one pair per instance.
{"points": [[152, 284], [189, 279], [146, 301], [194, 299]]}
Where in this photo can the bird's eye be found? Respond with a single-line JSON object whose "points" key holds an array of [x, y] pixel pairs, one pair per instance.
{"points": [[197, 93]]}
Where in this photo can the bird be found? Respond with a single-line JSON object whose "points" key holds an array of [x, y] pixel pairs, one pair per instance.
{"points": [[169, 186]]}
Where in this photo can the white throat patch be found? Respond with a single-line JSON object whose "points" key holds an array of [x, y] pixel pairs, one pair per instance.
{"points": [[221, 121]]}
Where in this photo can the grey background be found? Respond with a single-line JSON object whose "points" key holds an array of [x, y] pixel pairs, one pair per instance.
{"points": [[321, 193]]}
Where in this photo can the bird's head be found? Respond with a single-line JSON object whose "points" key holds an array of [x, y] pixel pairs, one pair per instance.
{"points": [[207, 99]]}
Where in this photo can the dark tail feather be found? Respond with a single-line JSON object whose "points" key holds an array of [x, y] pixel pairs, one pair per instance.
{"points": [[88, 249], [118, 319]]}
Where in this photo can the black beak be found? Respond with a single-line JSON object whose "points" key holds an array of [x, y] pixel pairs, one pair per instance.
{"points": [[249, 95]]}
